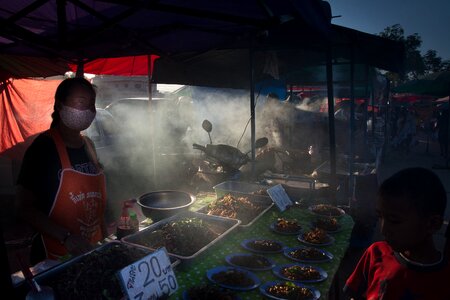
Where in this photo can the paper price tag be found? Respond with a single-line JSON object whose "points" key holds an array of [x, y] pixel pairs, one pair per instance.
{"points": [[279, 196], [150, 277]]}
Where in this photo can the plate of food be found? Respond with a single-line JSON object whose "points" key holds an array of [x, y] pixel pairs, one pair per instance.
{"points": [[250, 261], [316, 237], [284, 290], [329, 224], [300, 273], [209, 291], [286, 226], [327, 210], [233, 278], [307, 254], [262, 245]]}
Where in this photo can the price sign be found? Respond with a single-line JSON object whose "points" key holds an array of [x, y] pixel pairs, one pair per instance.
{"points": [[149, 278], [279, 196]]}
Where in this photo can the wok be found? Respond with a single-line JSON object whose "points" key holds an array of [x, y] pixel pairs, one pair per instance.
{"points": [[159, 205]]}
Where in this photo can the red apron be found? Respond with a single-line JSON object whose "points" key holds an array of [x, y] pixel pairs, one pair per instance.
{"points": [[79, 202]]}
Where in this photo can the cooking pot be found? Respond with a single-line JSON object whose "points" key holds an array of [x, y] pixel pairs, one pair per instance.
{"points": [[163, 204]]}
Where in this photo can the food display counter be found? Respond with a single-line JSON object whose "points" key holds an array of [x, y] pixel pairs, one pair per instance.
{"points": [[198, 269], [195, 272]]}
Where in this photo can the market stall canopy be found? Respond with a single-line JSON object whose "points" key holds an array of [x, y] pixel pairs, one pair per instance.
{"points": [[13, 66], [89, 29], [289, 49], [191, 37]]}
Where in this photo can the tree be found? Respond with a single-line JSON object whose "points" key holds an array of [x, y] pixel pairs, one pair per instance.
{"points": [[446, 65], [433, 63], [416, 64]]}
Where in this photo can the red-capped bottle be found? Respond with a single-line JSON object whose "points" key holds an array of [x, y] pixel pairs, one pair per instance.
{"points": [[124, 226]]}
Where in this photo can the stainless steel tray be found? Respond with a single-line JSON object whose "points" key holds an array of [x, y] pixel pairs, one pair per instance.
{"points": [[241, 189], [49, 276], [265, 202], [221, 225]]}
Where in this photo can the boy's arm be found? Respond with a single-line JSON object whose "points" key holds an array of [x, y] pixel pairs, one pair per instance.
{"points": [[356, 285]]}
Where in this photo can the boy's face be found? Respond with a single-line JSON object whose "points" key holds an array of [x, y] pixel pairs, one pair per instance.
{"points": [[402, 226]]}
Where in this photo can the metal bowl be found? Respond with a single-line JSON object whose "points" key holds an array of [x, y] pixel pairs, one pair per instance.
{"points": [[163, 204]]}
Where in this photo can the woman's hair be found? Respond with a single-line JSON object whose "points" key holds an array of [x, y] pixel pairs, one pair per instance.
{"points": [[63, 91], [421, 187]]}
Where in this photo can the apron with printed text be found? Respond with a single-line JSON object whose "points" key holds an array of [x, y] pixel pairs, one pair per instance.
{"points": [[79, 203]]}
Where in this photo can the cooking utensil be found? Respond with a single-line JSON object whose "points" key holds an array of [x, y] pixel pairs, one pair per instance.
{"points": [[37, 291], [162, 204]]}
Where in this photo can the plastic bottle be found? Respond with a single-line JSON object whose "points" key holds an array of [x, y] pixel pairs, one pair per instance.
{"points": [[124, 225]]}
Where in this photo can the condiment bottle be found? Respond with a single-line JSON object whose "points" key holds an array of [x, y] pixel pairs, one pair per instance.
{"points": [[124, 226]]}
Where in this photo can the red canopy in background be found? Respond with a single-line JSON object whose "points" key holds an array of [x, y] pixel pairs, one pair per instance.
{"points": [[411, 98], [120, 66], [26, 106]]}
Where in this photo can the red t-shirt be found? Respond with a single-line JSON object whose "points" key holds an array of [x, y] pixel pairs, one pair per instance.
{"points": [[382, 273]]}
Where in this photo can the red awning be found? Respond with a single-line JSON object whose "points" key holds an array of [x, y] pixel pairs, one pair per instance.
{"points": [[120, 66], [411, 98]]}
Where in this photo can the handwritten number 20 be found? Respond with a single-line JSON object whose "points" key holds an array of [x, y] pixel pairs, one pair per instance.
{"points": [[154, 261], [147, 279]]}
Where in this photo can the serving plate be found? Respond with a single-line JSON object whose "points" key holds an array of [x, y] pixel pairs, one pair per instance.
{"points": [[328, 210], [229, 259], [247, 244], [263, 289], [278, 272], [327, 256], [274, 228], [330, 240], [314, 225], [214, 271]]}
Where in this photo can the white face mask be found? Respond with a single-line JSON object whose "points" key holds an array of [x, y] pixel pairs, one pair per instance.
{"points": [[76, 119]]}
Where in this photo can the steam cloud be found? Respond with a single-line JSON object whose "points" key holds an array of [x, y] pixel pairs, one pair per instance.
{"points": [[175, 124]]}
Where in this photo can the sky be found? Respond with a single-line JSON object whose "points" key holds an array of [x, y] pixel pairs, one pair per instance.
{"points": [[428, 18]]}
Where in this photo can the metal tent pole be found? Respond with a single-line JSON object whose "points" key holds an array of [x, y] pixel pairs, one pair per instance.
{"points": [[151, 113], [352, 123], [252, 113], [331, 129], [80, 69], [387, 120]]}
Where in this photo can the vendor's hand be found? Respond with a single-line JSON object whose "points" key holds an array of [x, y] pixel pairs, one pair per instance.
{"points": [[76, 245]]}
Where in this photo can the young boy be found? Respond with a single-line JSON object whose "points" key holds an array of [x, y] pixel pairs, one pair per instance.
{"points": [[407, 264]]}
